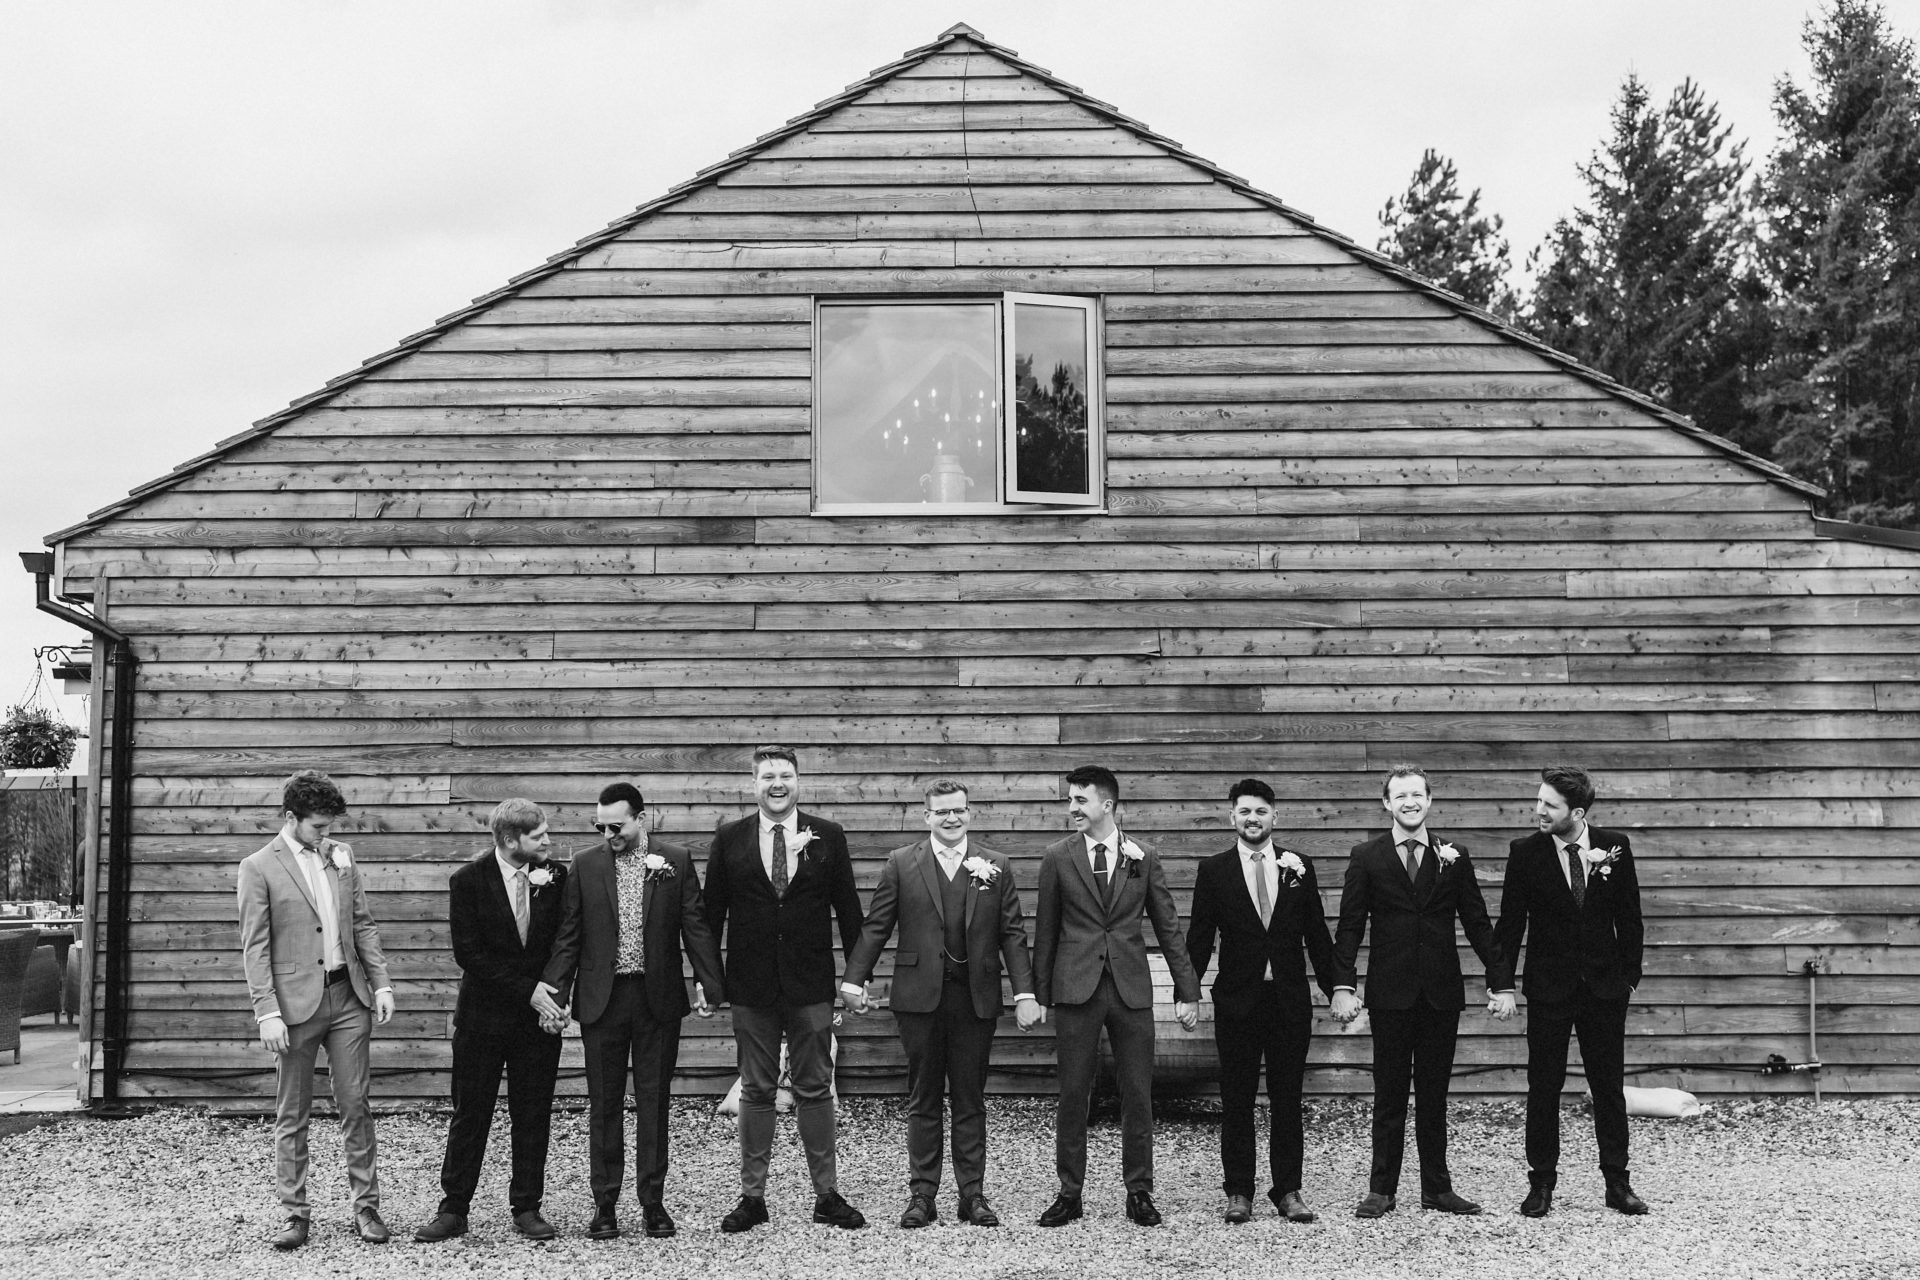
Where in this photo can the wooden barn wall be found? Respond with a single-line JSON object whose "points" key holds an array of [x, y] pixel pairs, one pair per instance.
{"points": [[569, 541]]}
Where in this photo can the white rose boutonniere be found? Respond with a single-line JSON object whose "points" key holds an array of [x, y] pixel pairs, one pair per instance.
{"points": [[656, 867], [1133, 855], [1291, 867], [1447, 853], [540, 877], [984, 873], [799, 844], [341, 861], [1600, 862]]}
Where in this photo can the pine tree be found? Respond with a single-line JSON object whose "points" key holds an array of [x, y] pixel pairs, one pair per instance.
{"points": [[1841, 256], [1437, 234], [1649, 282]]}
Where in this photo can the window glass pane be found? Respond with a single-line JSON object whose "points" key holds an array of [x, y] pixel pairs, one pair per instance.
{"points": [[907, 402], [1050, 375]]}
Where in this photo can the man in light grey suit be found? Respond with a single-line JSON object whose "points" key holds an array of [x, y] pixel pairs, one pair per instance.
{"points": [[316, 976], [1090, 967]]}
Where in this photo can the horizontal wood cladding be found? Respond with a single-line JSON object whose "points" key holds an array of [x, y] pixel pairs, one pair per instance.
{"points": [[567, 538]]}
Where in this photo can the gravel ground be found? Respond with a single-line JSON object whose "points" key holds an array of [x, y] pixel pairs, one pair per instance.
{"points": [[1769, 1188]]}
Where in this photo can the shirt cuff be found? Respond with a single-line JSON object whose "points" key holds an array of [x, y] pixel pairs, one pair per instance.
{"points": [[1343, 988], [1504, 991], [378, 990], [263, 1017], [848, 989], [1025, 995]]}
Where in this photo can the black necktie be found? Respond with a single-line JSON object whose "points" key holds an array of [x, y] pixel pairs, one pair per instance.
{"points": [[1100, 871], [779, 861], [1577, 875]]}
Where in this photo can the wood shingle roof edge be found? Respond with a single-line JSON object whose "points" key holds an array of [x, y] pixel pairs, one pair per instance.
{"points": [[957, 34]]}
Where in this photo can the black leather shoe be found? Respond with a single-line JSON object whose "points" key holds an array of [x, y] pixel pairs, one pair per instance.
{"points": [[445, 1226], [534, 1227], [1140, 1210], [1620, 1197], [977, 1211], [1539, 1200], [291, 1236], [659, 1223], [1374, 1205], [745, 1216], [1063, 1210], [605, 1224], [1239, 1209], [1448, 1202], [372, 1230], [920, 1212], [832, 1210], [1293, 1208]]}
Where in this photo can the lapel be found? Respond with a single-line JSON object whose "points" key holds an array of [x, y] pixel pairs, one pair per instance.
{"points": [[1429, 870], [972, 896], [1237, 874], [502, 901], [649, 896], [923, 861], [608, 885], [1076, 854], [1575, 905], [291, 865]]}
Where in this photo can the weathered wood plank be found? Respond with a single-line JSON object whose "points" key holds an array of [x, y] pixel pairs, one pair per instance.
{"points": [[1902, 584], [973, 142], [947, 170], [576, 283], [366, 530], [1601, 450], [500, 336], [515, 615], [613, 392], [1297, 330], [1266, 361], [488, 426], [958, 197], [1413, 384]]}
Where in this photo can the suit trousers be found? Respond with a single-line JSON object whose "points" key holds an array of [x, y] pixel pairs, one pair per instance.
{"points": [[1602, 1028], [626, 1034], [1077, 1043], [1279, 1033], [947, 1053], [809, 1032], [344, 1026], [1412, 1045], [530, 1059]]}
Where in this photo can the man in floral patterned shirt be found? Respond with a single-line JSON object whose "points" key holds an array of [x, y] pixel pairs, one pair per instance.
{"points": [[629, 907]]}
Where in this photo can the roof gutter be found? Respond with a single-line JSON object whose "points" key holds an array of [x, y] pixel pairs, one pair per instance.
{"points": [[113, 1040]]}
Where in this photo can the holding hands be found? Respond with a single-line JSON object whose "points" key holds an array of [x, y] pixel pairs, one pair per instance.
{"points": [[1346, 1006], [1502, 1005], [1187, 1013], [1029, 1014], [856, 999], [553, 1018]]}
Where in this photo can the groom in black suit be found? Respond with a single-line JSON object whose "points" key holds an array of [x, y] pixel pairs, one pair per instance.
{"points": [[504, 908], [1576, 885], [1263, 902], [1410, 886]]}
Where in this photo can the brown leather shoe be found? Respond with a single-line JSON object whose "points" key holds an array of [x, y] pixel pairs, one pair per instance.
{"points": [[920, 1212], [372, 1230], [445, 1226], [534, 1227], [291, 1236], [1449, 1202], [1293, 1208], [1374, 1205], [1239, 1209], [976, 1210]]}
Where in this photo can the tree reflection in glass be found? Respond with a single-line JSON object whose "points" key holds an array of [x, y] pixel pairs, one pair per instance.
{"points": [[1050, 397]]}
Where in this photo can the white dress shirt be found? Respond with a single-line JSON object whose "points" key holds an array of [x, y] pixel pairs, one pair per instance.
{"points": [[1576, 844], [317, 867], [1113, 852], [949, 859], [1266, 869], [792, 824]]}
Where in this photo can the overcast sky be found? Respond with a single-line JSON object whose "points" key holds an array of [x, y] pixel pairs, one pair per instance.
{"points": [[208, 209]]}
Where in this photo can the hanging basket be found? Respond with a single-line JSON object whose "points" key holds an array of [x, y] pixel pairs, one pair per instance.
{"points": [[32, 738]]}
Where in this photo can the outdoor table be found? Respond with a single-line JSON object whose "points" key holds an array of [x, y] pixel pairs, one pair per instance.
{"points": [[60, 937]]}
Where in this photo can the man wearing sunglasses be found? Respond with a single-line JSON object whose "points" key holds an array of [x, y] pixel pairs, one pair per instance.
{"points": [[629, 907], [960, 923]]}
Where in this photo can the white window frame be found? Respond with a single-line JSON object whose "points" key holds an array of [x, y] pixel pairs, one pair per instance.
{"points": [[1009, 502]]}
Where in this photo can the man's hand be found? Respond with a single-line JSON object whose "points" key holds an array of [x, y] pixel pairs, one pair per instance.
{"points": [[855, 998], [1502, 1005], [543, 1002], [382, 1006], [273, 1034], [700, 1005], [1188, 1014], [553, 1026], [1029, 1014], [1346, 1006]]}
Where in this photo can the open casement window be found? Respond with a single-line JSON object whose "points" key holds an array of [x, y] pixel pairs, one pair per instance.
{"points": [[960, 405]]}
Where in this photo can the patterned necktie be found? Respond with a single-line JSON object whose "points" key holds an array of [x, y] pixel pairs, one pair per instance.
{"points": [[1577, 875], [520, 903], [1411, 850], [779, 861], [1261, 899]]}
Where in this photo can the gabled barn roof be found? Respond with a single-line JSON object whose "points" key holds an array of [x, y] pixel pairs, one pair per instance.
{"points": [[957, 39]]}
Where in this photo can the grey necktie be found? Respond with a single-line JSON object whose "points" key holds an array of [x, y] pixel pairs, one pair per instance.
{"points": [[520, 903], [779, 861], [1410, 851], [1261, 898]]}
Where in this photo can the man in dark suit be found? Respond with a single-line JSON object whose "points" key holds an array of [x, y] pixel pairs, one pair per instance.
{"points": [[1411, 886], [630, 906], [960, 923], [777, 880], [1576, 885], [1090, 968], [316, 976], [504, 909], [1263, 902]]}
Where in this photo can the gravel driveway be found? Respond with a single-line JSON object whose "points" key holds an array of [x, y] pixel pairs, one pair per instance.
{"points": [[1764, 1189]]}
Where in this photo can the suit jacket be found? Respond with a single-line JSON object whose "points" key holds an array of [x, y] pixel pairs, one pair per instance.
{"points": [[1077, 934], [1598, 941], [1414, 952], [281, 946], [909, 893], [497, 970], [1222, 906], [585, 945], [780, 950]]}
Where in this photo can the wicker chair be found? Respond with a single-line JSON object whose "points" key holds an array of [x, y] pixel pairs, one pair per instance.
{"points": [[16, 953]]}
